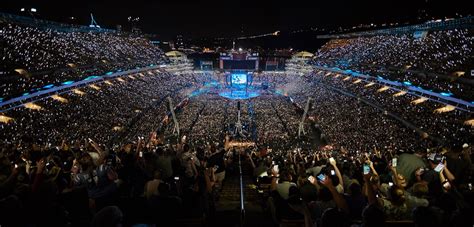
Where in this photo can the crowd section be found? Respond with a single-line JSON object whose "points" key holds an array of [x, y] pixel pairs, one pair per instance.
{"points": [[120, 109], [339, 187], [448, 126], [45, 56], [108, 153], [109, 156], [406, 58]]}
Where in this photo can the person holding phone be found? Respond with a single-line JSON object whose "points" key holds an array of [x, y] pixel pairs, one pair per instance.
{"points": [[398, 179], [283, 183], [340, 186], [437, 167], [216, 160]]}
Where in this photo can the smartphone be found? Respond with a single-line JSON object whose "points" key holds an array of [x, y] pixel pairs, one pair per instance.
{"points": [[176, 178], [140, 154], [216, 167], [446, 185], [310, 178], [273, 162], [394, 162], [366, 169], [390, 184], [16, 166], [275, 168], [422, 170], [439, 167], [333, 172], [321, 177], [331, 159]]}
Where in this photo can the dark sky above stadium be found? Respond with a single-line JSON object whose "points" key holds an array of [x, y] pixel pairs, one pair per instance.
{"points": [[224, 18]]}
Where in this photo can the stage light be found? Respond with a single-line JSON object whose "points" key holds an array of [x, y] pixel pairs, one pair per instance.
{"points": [[108, 82], [59, 98], [95, 87], [384, 88], [48, 86], [370, 84], [32, 106], [68, 82], [33, 10], [21, 71], [400, 93], [458, 74], [420, 100], [447, 108], [78, 92], [469, 122], [5, 119], [121, 80]]}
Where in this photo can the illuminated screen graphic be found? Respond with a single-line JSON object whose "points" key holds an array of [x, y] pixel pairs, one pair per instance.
{"points": [[239, 78]]}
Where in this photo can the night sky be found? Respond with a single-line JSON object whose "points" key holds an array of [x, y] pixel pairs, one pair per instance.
{"points": [[198, 18]]}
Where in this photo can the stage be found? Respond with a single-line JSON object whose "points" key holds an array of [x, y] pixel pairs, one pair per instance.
{"points": [[239, 94]]}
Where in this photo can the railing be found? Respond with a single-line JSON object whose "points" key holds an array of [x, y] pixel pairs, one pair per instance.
{"points": [[242, 205], [459, 104]]}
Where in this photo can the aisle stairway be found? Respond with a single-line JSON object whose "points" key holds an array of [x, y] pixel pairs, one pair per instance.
{"points": [[228, 204]]}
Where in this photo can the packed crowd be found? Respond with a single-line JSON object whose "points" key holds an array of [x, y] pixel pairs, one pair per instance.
{"points": [[121, 109], [46, 56], [440, 51], [108, 154], [405, 58], [338, 187], [90, 184], [94, 156], [448, 126]]}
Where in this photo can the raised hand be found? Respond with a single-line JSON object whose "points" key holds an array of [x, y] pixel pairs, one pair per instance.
{"points": [[40, 165]]}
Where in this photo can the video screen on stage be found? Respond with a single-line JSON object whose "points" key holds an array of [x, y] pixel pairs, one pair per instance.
{"points": [[239, 78]]}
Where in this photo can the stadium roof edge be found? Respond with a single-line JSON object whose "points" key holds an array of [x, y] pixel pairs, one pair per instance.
{"points": [[460, 23], [40, 23]]}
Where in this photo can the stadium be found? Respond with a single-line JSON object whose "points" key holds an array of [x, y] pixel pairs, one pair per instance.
{"points": [[302, 124]]}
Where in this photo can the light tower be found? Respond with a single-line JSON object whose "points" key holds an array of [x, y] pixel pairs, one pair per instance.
{"points": [[176, 124], [301, 126], [238, 124], [93, 23]]}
